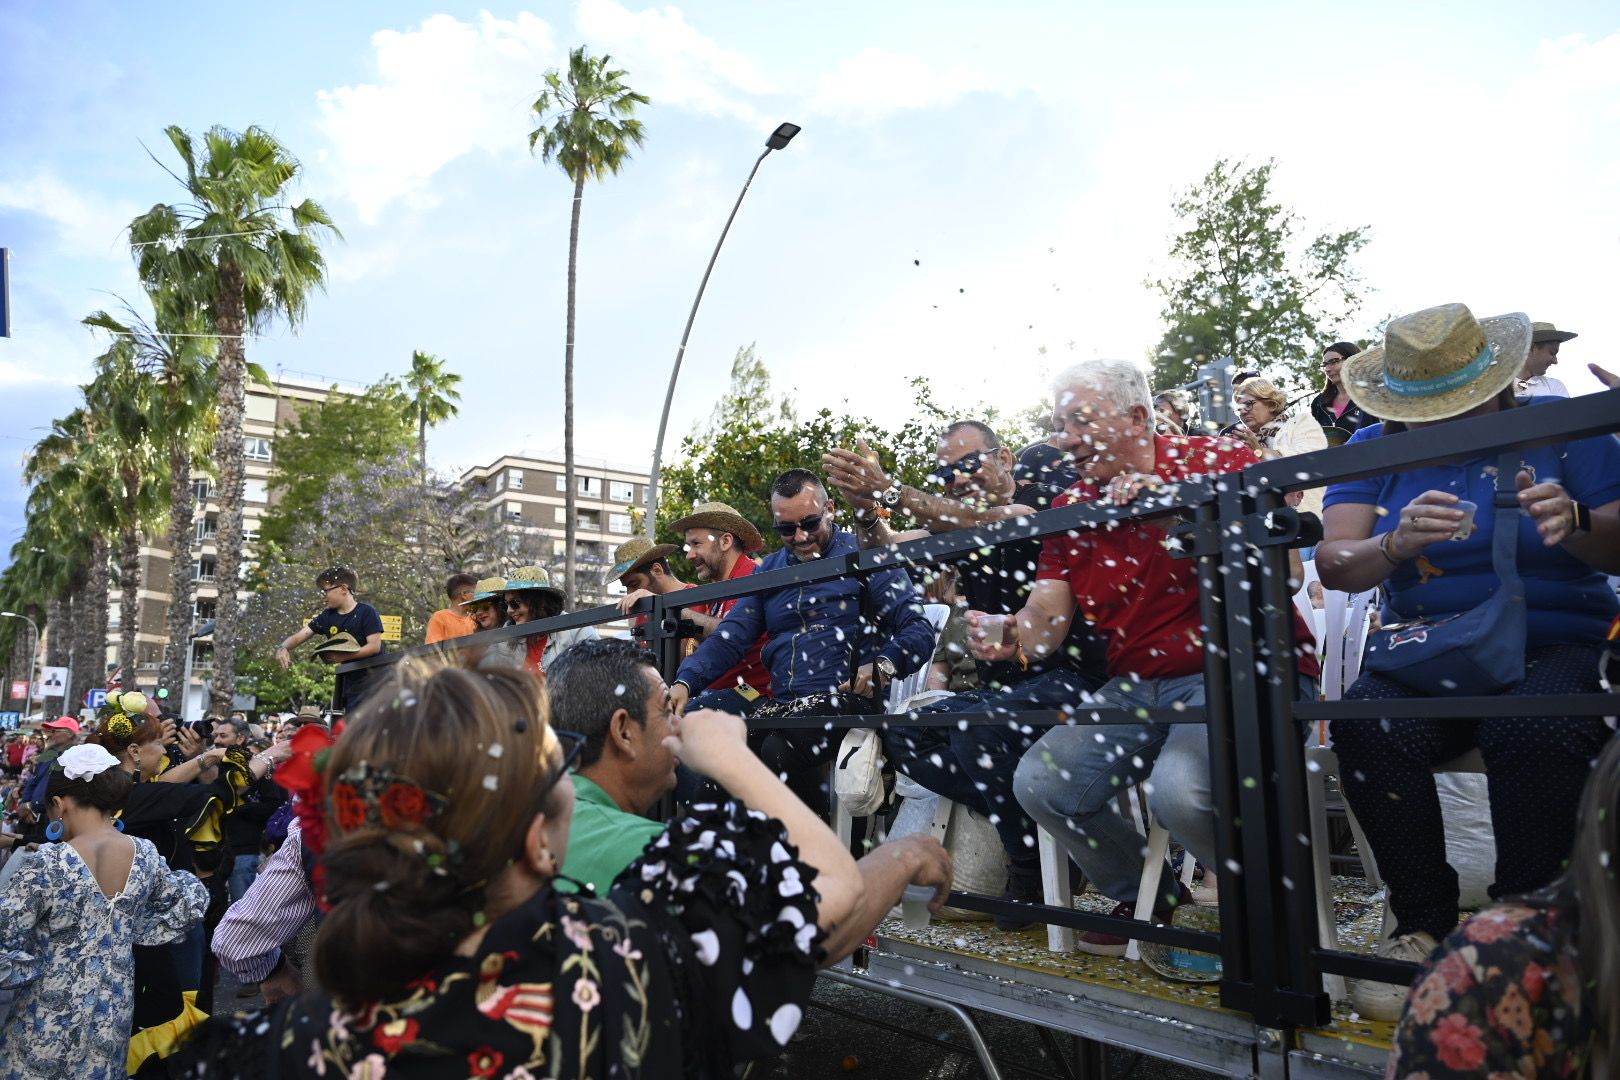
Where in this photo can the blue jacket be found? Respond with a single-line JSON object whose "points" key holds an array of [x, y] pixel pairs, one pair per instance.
{"points": [[811, 628]]}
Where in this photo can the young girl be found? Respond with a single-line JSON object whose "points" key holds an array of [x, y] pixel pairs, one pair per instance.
{"points": [[73, 913]]}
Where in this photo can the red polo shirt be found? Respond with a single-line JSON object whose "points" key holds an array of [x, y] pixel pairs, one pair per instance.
{"points": [[752, 669], [1128, 585]]}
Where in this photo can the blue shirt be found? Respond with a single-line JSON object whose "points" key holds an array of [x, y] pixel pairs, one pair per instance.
{"points": [[1567, 601], [811, 629]]}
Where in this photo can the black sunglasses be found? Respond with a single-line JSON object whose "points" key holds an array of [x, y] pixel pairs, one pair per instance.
{"points": [[966, 465], [573, 745], [788, 529]]}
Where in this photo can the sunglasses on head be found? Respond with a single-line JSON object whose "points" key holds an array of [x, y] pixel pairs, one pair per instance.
{"points": [[789, 529], [966, 465]]}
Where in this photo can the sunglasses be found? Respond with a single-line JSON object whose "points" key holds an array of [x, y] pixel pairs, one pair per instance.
{"points": [[573, 745], [967, 465], [480, 606], [789, 529]]}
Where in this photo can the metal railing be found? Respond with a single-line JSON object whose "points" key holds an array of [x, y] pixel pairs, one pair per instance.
{"points": [[1240, 531]]}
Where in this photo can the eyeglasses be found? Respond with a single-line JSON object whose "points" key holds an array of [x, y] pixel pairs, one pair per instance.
{"points": [[573, 745], [481, 606], [324, 589], [789, 529], [966, 465]]}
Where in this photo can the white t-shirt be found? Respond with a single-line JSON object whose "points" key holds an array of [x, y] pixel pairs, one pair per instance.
{"points": [[1545, 386]]}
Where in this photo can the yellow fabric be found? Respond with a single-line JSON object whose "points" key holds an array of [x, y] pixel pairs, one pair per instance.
{"points": [[165, 1039]]}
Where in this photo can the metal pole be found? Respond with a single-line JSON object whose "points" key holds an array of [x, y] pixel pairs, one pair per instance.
{"points": [[185, 681], [680, 352]]}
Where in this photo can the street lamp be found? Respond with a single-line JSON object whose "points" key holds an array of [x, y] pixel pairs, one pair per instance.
{"points": [[33, 659], [779, 138]]}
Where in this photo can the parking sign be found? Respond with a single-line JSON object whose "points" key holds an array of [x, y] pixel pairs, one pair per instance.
{"points": [[95, 699]]}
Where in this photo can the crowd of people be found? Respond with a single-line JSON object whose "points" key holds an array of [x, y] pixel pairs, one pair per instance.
{"points": [[535, 857]]}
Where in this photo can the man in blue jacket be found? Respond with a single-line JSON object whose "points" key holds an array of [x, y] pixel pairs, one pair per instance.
{"points": [[815, 633]]}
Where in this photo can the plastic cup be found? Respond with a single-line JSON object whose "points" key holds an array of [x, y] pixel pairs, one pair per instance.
{"points": [[914, 913], [995, 629], [1465, 528]]}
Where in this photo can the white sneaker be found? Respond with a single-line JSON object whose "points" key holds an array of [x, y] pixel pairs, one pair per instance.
{"points": [[1381, 1000]]}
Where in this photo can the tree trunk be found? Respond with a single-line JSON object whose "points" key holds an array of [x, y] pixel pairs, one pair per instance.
{"points": [[182, 514], [129, 603], [231, 317], [96, 598], [571, 525], [421, 442], [58, 637]]}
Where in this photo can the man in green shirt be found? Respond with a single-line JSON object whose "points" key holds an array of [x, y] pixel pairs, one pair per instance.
{"points": [[609, 691]]}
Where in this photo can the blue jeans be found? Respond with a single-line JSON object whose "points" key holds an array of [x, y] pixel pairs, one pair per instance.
{"points": [[689, 786], [243, 871], [1071, 776], [975, 766]]}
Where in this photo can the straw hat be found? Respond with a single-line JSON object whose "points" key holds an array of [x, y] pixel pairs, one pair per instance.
{"points": [[634, 554], [338, 645], [525, 578], [717, 515], [486, 588], [1545, 333], [1438, 363], [1185, 965]]}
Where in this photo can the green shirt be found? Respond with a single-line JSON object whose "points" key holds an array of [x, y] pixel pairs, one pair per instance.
{"points": [[603, 839]]}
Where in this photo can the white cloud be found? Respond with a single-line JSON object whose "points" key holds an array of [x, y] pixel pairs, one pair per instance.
{"points": [[444, 89], [89, 225], [875, 82], [671, 62]]}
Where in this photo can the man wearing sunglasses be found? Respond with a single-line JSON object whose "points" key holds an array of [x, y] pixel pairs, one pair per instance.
{"points": [[818, 641], [976, 478]]}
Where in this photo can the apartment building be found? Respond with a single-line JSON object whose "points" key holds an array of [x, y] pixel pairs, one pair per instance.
{"points": [[269, 410], [529, 493]]}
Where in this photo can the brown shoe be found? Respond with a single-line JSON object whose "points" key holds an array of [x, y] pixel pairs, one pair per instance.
{"points": [[1098, 943]]}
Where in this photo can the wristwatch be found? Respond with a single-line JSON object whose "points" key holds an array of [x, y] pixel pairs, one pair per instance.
{"points": [[1583, 518], [886, 666], [890, 496]]}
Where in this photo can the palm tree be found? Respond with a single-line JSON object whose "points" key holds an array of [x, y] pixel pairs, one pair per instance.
{"points": [[179, 356], [587, 127], [241, 249], [433, 394]]}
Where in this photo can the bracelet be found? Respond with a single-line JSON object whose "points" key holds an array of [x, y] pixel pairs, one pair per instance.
{"points": [[1383, 549]]}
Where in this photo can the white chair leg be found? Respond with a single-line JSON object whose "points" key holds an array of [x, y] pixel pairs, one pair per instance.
{"points": [[843, 825], [1158, 846], [1319, 762], [1055, 889]]}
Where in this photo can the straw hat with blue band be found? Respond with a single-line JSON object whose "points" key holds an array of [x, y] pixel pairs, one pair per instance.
{"points": [[525, 578], [1438, 363], [634, 554], [486, 589]]}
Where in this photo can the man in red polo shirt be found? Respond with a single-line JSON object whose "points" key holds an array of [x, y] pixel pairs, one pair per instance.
{"points": [[720, 543], [1125, 582]]}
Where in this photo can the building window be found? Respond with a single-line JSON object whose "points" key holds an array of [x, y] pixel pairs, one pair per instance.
{"points": [[114, 615], [200, 488], [514, 511], [203, 569], [202, 609], [500, 481], [560, 515], [514, 479], [250, 532], [206, 526], [256, 449], [619, 523], [589, 485], [562, 483], [255, 491], [621, 492], [202, 654], [589, 519]]}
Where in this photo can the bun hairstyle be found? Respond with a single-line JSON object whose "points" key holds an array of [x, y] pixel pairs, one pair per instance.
{"points": [[108, 790], [403, 896], [120, 731]]}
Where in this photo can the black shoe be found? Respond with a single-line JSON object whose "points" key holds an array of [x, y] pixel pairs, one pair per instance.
{"points": [[1023, 888]]}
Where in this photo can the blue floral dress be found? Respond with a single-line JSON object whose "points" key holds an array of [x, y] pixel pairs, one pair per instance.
{"points": [[67, 950]]}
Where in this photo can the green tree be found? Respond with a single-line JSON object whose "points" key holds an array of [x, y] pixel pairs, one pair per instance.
{"points": [[240, 246], [339, 437], [433, 395], [177, 353], [1248, 283], [587, 127]]}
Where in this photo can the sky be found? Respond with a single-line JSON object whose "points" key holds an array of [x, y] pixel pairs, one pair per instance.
{"points": [[979, 194]]}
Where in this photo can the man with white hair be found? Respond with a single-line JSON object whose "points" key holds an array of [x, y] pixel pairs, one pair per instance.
{"points": [[1124, 582]]}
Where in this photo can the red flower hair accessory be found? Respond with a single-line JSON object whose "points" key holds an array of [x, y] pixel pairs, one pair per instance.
{"points": [[365, 795], [301, 776]]}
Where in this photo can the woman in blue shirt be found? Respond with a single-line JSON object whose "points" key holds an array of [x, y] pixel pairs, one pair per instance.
{"points": [[1402, 532]]}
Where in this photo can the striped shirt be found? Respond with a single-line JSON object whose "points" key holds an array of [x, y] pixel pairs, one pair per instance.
{"points": [[249, 939]]}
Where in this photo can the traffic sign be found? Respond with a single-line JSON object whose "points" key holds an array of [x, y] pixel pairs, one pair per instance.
{"points": [[392, 626], [95, 699], [19, 689]]}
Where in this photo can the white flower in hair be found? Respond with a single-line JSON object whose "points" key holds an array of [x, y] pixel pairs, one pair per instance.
{"points": [[85, 762]]}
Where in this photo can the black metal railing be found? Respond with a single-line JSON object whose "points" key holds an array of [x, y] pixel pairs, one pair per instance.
{"points": [[1239, 530]]}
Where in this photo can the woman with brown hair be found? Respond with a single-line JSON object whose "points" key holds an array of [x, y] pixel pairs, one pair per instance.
{"points": [[450, 950], [1339, 414]]}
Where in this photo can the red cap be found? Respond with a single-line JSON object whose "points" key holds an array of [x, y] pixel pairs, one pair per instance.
{"points": [[66, 722]]}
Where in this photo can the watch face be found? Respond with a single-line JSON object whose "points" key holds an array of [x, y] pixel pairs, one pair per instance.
{"points": [[891, 497]]}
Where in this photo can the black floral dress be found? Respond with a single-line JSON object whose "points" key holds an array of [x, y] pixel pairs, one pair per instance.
{"points": [[703, 958]]}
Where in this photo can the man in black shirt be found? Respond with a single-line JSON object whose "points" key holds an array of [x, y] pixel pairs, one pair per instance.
{"points": [[979, 483], [346, 630]]}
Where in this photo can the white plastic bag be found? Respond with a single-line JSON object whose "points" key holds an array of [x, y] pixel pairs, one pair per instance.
{"points": [[858, 774]]}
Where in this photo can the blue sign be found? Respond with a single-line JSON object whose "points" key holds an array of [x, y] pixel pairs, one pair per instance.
{"points": [[9, 720], [95, 699]]}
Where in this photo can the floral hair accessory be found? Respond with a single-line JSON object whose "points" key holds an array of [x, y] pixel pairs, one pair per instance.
{"points": [[365, 795], [301, 776], [120, 726], [86, 762]]}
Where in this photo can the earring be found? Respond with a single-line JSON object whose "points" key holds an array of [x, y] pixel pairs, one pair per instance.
{"points": [[54, 831], [118, 823]]}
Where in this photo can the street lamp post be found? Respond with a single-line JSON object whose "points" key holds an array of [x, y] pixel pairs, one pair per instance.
{"points": [[779, 139], [33, 660]]}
